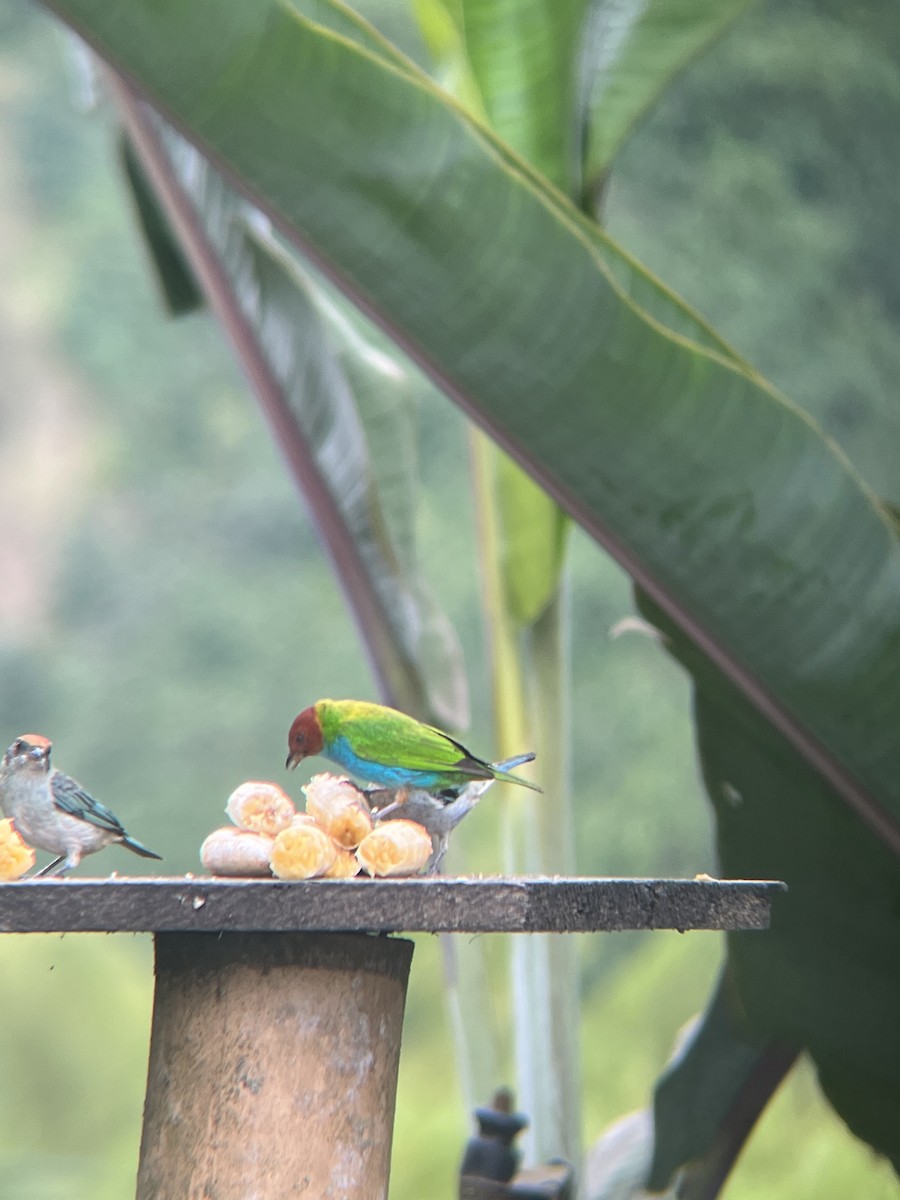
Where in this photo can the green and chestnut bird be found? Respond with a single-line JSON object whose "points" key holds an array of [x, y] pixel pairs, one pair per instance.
{"points": [[388, 748]]}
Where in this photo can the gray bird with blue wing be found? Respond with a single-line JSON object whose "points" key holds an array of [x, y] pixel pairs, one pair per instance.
{"points": [[52, 812]]}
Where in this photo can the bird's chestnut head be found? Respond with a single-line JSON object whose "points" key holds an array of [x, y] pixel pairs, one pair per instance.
{"points": [[31, 751], [304, 737]]}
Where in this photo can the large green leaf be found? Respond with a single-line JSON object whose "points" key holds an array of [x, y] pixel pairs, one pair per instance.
{"points": [[341, 407], [721, 499], [641, 288], [632, 51], [710, 1096], [707, 1100], [826, 976], [517, 67], [524, 58]]}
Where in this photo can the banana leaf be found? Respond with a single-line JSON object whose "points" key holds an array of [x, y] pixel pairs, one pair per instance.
{"points": [[342, 408]]}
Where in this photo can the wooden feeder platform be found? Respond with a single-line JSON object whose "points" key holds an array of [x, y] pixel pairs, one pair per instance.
{"points": [[277, 1015]]}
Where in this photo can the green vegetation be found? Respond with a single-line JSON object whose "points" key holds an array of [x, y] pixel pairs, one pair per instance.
{"points": [[168, 610]]}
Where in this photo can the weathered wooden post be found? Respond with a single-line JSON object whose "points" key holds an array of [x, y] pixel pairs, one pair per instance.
{"points": [[273, 1065], [278, 1007]]}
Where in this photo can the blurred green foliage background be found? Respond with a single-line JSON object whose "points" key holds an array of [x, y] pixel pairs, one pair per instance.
{"points": [[165, 609]]}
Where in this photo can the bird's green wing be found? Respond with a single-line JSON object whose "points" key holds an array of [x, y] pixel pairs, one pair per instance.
{"points": [[384, 735]]}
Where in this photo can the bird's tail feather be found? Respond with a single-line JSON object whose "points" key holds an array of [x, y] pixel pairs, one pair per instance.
{"points": [[136, 846], [504, 771], [517, 760]]}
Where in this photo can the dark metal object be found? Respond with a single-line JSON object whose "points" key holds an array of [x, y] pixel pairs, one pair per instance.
{"points": [[501, 905], [488, 1170], [550, 1181], [489, 1154]]}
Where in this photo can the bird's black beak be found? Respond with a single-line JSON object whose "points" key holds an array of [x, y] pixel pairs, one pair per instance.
{"points": [[291, 762], [38, 753]]}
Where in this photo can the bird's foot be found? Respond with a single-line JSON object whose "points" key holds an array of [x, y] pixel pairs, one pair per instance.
{"points": [[401, 795], [51, 869]]}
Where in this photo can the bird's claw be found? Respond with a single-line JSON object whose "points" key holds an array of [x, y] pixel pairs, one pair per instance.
{"points": [[401, 795]]}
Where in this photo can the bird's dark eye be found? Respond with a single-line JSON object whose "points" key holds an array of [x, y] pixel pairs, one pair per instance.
{"points": [[18, 746]]}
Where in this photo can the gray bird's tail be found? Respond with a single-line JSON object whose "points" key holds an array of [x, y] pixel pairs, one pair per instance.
{"points": [[137, 848]]}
